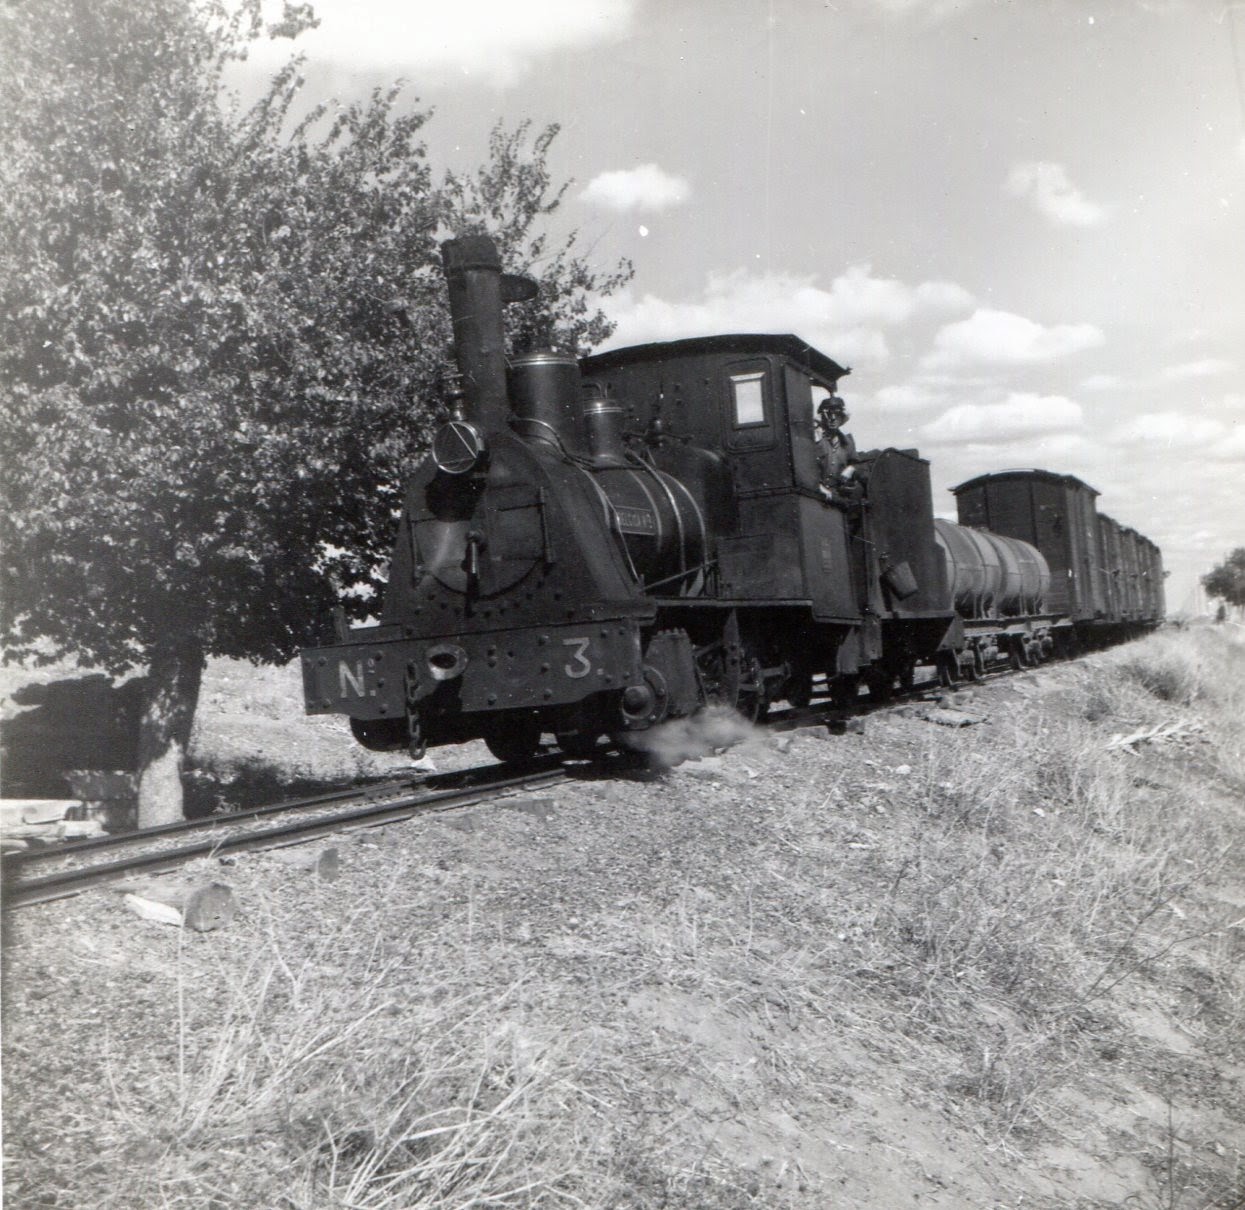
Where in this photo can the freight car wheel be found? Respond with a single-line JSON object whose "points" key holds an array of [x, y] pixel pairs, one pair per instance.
{"points": [[515, 740], [1017, 656], [948, 669]]}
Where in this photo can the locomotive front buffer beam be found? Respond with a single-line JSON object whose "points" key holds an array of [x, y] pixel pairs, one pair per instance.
{"points": [[405, 692]]}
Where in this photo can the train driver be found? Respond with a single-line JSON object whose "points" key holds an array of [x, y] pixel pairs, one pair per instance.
{"points": [[836, 450]]}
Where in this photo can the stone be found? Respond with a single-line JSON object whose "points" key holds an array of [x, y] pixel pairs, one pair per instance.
{"points": [[200, 906], [324, 863], [540, 808], [953, 718]]}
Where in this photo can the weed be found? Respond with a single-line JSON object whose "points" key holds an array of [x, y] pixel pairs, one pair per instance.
{"points": [[358, 1093], [1043, 875]]}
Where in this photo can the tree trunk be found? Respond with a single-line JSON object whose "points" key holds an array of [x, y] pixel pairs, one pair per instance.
{"points": [[175, 674]]}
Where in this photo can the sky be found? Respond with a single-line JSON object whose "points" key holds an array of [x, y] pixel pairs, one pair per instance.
{"points": [[1020, 222]]}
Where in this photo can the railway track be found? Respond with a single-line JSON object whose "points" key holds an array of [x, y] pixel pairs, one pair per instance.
{"points": [[39, 875]]}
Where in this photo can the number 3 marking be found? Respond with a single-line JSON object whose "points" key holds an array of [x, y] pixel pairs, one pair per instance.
{"points": [[582, 666]]}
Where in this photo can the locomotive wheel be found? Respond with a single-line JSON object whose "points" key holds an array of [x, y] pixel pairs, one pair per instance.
{"points": [[514, 741], [750, 699], [730, 673], [714, 678], [844, 690], [798, 687], [578, 745], [380, 734]]}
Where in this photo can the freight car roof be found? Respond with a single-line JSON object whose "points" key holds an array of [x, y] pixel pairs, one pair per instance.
{"points": [[749, 344], [1024, 473]]}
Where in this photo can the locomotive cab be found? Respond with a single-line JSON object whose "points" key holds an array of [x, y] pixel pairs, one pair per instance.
{"points": [[858, 577]]}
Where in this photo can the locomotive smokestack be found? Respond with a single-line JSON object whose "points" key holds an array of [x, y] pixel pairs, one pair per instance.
{"points": [[473, 274], [477, 292]]}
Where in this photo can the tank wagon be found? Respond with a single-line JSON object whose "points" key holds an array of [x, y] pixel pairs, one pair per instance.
{"points": [[595, 546]]}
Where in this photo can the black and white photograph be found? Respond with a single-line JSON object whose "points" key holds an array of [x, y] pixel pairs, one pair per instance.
{"points": [[622, 604]]}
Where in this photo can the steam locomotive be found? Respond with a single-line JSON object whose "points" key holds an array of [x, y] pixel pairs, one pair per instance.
{"points": [[594, 546]]}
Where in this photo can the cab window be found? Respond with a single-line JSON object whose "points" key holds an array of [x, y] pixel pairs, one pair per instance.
{"points": [[748, 398], [748, 405]]}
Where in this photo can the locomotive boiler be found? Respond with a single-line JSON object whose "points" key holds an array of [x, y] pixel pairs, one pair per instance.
{"points": [[594, 546]]}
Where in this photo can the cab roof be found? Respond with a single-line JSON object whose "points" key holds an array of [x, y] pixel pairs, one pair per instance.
{"points": [[750, 344]]}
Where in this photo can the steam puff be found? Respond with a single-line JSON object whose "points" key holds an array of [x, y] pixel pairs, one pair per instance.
{"points": [[671, 743]]}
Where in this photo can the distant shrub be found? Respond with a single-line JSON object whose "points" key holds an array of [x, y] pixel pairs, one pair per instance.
{"points": [[1198, 668], [1171, 672]]}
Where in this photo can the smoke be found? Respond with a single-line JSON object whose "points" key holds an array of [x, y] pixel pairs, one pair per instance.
{"points": [[712, 729]]}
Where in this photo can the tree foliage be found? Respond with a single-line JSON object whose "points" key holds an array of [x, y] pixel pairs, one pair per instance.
{"points": [[224, 329], [1226, 582]]}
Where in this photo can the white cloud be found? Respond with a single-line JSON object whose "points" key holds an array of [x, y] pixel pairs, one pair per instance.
{"points": [[1102, 382], [495, 40], [1052, 194], [908, 397], [1001, 338], [1020, 415], [646, 187], [934, 10], [1171, 430], [857, 296], [848, 321], [1205, 368], [1180, 432], [1230, 447]]}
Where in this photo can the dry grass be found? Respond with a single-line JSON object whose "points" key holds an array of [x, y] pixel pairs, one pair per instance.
{"points": [[380, 1061], [1200, 669], [1057, 878], [991, 929], [648, 1015], [349, 1064]]}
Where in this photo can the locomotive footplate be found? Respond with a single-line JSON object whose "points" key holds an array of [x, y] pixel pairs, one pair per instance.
{"points": [[502, 670]]}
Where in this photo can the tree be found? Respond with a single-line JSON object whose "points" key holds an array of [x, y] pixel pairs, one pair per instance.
{"points": [[1226, 582], [224, 333]]}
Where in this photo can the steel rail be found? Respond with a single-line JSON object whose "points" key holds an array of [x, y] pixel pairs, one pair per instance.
{"points": [[70, 881], [14, 863], [17, 861]]}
